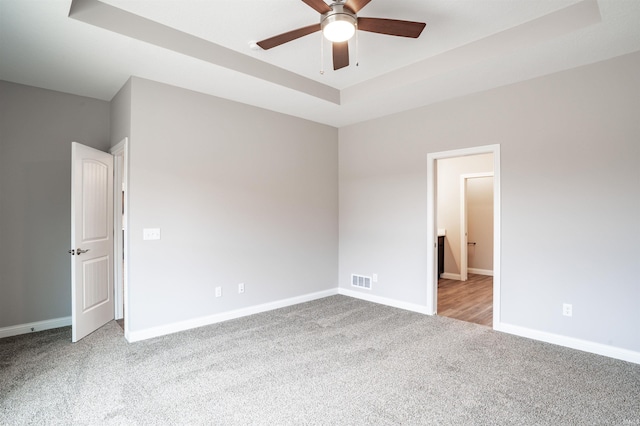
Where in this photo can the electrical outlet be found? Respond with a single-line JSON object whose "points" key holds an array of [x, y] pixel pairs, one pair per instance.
{"points": [[374, 278], [218, 291], [241, 288], [567, 309], [151, 234]]}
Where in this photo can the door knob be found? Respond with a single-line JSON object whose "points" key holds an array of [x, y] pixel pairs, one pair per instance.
{"points": [[80, 251]]}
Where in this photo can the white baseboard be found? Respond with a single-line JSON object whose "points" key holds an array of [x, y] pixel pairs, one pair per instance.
{"points": [[450, 276], [32, 327], [480, 271], [384, 301], [137, 335], [571, 342]]}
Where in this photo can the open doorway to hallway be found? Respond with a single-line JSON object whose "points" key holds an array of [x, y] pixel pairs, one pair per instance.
{"points": [[464, 225], [465, 219]]}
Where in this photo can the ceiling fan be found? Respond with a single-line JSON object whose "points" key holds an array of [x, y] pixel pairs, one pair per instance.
{"points": [[338, 22]]}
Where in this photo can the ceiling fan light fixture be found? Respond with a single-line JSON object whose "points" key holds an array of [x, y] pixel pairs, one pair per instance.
{"points": [[338, 25]]}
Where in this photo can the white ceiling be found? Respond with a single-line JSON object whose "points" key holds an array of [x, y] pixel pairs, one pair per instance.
{"points": [[203, 45]]}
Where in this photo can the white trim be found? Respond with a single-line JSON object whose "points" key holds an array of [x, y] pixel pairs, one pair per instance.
{"points": [[480, 271], [432, 237], [117, 152], [571, 342], [384, 301], [463, 229], [137, 335], [497, 239], [121, 181], [432, 265], [450, 276], [464, 223], [33, 327]]}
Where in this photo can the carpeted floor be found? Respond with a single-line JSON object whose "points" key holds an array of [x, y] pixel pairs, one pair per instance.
{"points": [[334, 361]]}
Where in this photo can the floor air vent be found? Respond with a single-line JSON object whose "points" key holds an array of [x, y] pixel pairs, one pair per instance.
{"points": [[361, 281]]}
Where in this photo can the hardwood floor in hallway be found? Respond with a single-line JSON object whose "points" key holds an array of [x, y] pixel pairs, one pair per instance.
{"points": [[470, 300]]}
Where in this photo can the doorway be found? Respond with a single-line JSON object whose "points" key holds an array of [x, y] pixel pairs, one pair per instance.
{"points": [[456, 238], [92, 303], [99, 238], [121, 240], [476, 224]]}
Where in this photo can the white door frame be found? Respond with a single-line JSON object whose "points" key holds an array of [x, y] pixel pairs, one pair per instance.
{"points": [[463, 220], [120, 153], [432, 265]]}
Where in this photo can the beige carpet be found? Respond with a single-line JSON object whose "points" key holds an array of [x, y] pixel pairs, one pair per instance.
{"points": [[337, 361]]}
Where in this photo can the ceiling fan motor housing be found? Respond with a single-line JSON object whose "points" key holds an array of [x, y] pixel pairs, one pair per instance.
{"points": [[338, 14]]}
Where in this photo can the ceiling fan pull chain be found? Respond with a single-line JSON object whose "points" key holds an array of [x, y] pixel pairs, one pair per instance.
{"points": [[321, 53], [357, 61]]}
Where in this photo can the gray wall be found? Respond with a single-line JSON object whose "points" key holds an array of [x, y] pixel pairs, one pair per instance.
{"points": [[121, 114], [480, 223], [37, 127], [570, 156], [241, 194]]}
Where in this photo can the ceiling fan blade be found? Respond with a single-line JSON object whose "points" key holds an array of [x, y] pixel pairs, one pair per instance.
{"points": [[288, 36], [319, 5], [356, 5], [340, 55], [392, 27]]}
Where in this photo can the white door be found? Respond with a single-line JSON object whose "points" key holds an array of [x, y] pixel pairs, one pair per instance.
{"points": [[91, 240]]}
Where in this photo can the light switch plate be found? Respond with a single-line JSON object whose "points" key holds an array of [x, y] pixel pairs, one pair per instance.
{"points": [[151, 234]]}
